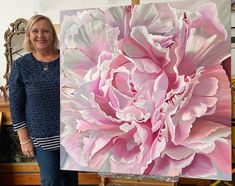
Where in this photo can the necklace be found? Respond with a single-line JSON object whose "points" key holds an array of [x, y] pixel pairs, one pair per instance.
{"points": [[47, 58], [45, 66]]}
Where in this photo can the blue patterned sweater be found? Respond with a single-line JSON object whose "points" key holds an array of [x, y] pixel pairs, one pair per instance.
{"points": [[35, 96]]}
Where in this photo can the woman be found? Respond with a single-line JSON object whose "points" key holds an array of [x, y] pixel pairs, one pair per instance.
{"points": [[34, 88]]}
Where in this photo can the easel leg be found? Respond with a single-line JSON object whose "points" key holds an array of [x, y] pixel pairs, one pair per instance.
{"points": [[103, 181]]}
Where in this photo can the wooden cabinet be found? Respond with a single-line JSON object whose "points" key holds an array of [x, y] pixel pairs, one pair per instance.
{"points": [[15, 168], [4, 109]]}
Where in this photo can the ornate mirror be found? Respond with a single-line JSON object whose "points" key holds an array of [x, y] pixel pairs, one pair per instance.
{"points": [[14, 38], [9, 142]]}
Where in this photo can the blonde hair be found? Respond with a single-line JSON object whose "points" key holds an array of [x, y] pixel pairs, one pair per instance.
{"points": [[27, 43]]}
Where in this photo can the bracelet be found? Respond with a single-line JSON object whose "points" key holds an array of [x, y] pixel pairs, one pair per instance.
{"points": [[25, 142]]}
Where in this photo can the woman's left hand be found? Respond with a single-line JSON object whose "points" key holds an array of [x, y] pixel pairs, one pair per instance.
{"points": [[27, 149]]}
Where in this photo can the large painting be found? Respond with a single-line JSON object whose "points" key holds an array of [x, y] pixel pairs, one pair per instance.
{"points": [[145, 89]]}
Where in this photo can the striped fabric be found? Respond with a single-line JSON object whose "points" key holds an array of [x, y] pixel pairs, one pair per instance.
{"points": [[48, 143], [20, 125]]}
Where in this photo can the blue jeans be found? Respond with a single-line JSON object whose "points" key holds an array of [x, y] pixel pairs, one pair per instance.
{"points": [[51, 175]]}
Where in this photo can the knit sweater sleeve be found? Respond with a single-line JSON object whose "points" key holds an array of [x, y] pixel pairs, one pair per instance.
{"points": [[17, 97]]}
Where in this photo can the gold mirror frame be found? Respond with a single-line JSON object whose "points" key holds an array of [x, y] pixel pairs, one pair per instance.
{"points": [[14, 37]]}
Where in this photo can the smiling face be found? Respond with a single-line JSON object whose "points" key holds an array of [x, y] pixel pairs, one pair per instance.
{"points": [[41, 35]]}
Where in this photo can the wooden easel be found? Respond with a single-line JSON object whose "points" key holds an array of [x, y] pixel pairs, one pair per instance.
{"points": [[138, 180], [135, 2]]}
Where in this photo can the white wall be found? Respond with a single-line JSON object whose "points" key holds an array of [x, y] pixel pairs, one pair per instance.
{"points": [[51, 8], [10, 10]]}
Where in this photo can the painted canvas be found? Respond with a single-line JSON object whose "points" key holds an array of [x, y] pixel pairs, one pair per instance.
{"points": [[145, 89]]}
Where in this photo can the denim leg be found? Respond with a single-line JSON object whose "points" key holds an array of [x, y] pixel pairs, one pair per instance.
{"points": [[49, 164], [51, 175]]}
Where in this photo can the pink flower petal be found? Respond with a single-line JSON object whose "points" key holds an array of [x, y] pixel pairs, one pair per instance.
{"points": [[221, 156], [200, 167]]}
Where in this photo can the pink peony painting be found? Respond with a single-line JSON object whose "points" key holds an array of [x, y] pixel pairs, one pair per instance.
{"points": [[144, 90]]}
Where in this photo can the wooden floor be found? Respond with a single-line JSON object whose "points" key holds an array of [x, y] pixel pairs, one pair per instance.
{"points": [[27, 174], [93, 179]]}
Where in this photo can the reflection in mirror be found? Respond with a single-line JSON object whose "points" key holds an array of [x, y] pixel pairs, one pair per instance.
{"points": [[14, 38]]}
